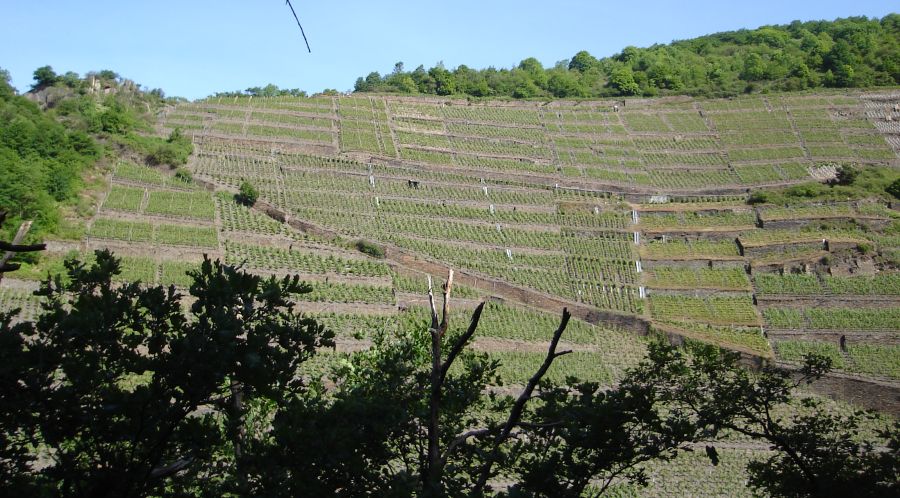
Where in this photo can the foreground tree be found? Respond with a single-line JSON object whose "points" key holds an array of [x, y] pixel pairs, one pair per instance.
{"points": [[116, 391], [16, 408], [817, 453], [416, 415], [128, 396]]}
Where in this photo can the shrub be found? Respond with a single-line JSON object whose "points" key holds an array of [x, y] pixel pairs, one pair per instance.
{"points": [[758, 198], [894, 188], [370, 248], [184, 175], [846, 174], [165, 154], [247, 194]]}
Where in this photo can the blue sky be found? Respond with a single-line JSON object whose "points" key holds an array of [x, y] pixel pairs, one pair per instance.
{"points": [[193, 48]]}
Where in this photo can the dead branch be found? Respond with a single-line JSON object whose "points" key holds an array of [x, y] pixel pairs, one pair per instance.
{"points": [[9, 267], [446, 304], [432, 473], [461, 342], [16, 246], [6, 246], [171, 469], [518, 408], [434, 313], [462, 438]]}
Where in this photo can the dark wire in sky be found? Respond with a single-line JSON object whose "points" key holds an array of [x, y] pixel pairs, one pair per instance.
{"points": [[288, 2]]}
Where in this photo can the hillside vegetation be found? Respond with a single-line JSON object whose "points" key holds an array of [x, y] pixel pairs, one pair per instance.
{"points": [[765, 224], [642, 210], [852, 52], [51, 139]]}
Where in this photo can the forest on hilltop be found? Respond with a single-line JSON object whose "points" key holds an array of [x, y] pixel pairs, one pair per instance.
{"points": [[845, 53]]}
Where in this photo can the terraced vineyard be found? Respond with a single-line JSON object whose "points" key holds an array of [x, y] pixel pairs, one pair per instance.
{"points": [[632, 214], [573, 201]]}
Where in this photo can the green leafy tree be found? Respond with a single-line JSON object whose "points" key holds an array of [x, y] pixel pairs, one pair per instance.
{"points": [[853, 52], [583, 61], [846, 175], [41, 161], [247, 194], [131, 397], [622, 81], [404, 419], [754, 68], [116, 118], [564, 84], [44, 76], [816, 453], [588, 438], [108, 74], [444, 83]]}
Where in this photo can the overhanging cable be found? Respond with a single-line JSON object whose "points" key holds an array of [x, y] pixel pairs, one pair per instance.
{"points": [[288, 2]]}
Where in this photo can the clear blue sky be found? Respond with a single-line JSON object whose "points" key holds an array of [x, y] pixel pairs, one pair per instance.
{"points": [[193, 48]]}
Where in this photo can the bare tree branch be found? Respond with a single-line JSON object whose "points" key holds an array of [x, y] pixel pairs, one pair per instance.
{"points": [[431, 478], [6, 246], [171, 469], [462, 438], [515, 413], [9, 267], [448, 285], [461, 342], [15, 247], [434, 313]]}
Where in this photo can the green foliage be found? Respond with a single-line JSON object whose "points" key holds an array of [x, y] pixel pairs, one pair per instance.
{"points": [[758, 197], [41, 162], [370, 248], [127, 391], [184, 175], [370, 428], [113, 398], [622, 81], [44, 160], [851, 52], [173, 151], [846, 175], [816, 453], [247, 194], [894, 188], [44, 76], [269, 90], [851, 183]]}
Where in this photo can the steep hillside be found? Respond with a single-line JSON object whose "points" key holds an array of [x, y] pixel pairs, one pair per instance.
{"points": [[637, 210], [635, 215]]}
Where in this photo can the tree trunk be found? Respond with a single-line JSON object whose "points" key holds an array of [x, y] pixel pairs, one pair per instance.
{"points": [[238, 433], [433, 478]]}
